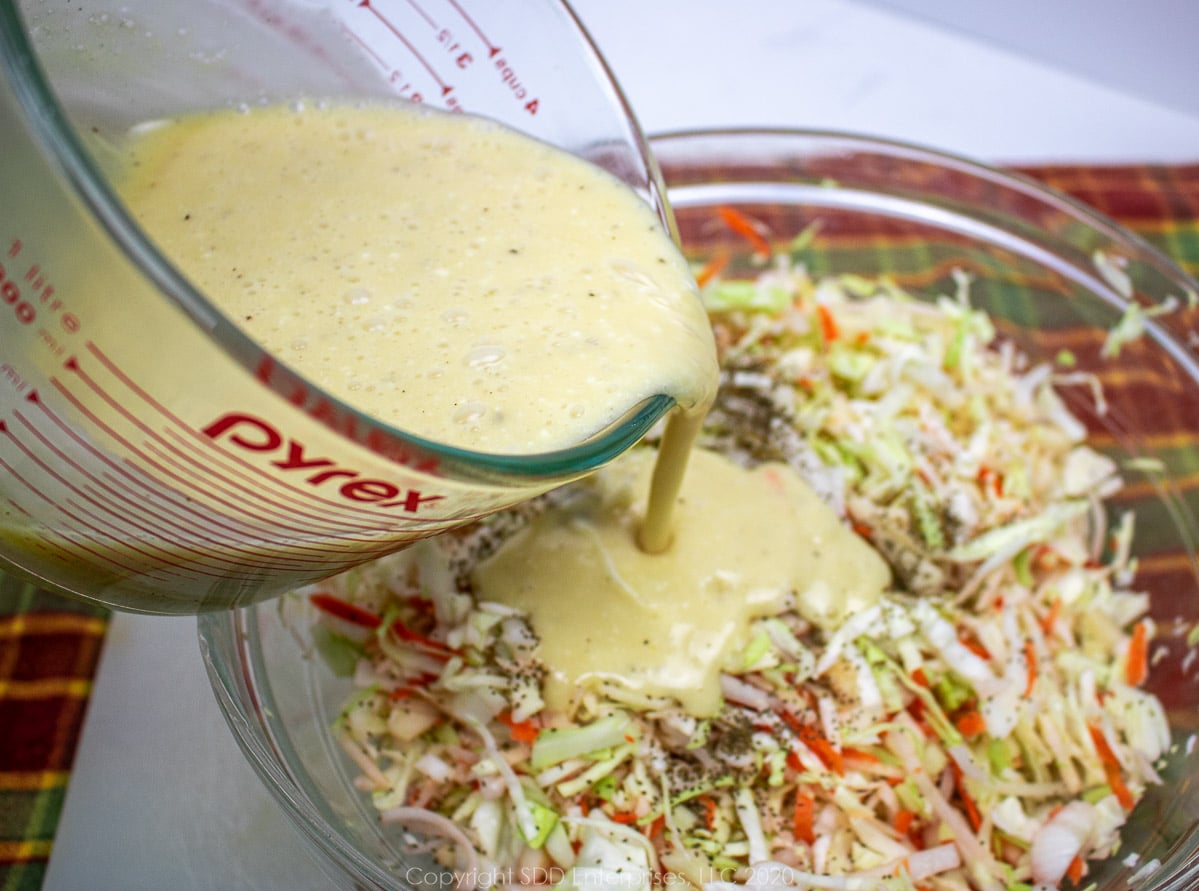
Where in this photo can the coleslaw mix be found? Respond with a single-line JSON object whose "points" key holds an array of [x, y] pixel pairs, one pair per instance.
{"points": [[982, 727]]}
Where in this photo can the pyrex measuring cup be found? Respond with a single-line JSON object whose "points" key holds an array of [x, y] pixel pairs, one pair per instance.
{"points": [[151, 456]]}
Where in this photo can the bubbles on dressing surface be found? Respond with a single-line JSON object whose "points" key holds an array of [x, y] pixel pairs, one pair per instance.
{"points": [[441, 273]]}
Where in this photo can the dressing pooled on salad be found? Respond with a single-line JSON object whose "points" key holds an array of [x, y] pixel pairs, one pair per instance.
{"points": [[746, 544]]}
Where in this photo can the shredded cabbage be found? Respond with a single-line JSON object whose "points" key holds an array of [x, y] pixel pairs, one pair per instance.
{"points": [[981, 728]]}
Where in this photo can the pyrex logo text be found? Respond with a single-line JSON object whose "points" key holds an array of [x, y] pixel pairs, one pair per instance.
{"points": [[256, 435]]}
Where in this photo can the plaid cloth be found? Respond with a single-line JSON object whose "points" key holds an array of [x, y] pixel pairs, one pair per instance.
{"points": [[1159, 203], [49, 646]]}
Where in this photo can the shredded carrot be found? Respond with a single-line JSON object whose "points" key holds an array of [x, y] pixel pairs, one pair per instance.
{"points": [[976, 820], [862, 531], [860, 755], [710, 809], [655, 827], [1030, 660], [920, 678], [903, 821], [819, 746], [1046, 559], [967, 800], [403, 632], [970, 724], [975, 647], [409, 690], [1136, 665], [829, 329], [1051, 617], [625, 818], [824, 750], [916, 709], [343, 609], [713, 268], [423, 605], [746, 228], [804, 820], [521, 731], [1076, 870], [1111, 767], [773, 478], [989, 478]]}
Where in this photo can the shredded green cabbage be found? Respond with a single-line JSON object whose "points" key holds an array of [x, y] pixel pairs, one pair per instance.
{"points": [[925, 743]]}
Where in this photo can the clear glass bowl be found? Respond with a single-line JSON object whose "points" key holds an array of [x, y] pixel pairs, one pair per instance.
{"points": [[880, 208]]}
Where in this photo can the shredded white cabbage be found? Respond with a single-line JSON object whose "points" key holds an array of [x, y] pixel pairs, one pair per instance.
{"points": [[983, 727]]}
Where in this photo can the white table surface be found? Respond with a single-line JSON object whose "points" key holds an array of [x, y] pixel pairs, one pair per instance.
{"points": [[160, 797]]}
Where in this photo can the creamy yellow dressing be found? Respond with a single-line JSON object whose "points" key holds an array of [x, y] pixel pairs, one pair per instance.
{"points": [[666, 624], [477, 288], [439, 272]]}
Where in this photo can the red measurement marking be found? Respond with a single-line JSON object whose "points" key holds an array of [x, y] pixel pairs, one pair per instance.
{"points": [[237, 469], [133, 510], [492, 49], [179, 537], [70, 543], [235, 546], [446, 89], [386, 527], [195, 522], [63, 553], [36, 459], [239, 530], [273, 521], [267, 528], [67, 528], [252, 475], [163, 574], [370, 51], [238, 508], [188, 567], [102, 526], [424, 15], [295, 458], [13, 472]]}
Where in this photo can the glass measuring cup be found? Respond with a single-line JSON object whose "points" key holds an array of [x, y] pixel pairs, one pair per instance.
{"points": [[152, 457]]}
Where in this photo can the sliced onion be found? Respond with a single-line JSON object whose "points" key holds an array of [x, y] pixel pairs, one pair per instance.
{"points": [[433, 767], [434, 824], [738, 691], [931, 861], [1059, 841]]}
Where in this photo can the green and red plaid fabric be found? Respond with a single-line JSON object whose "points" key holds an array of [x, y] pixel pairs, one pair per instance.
{"points": [[1158, 202], [49, 646]]}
